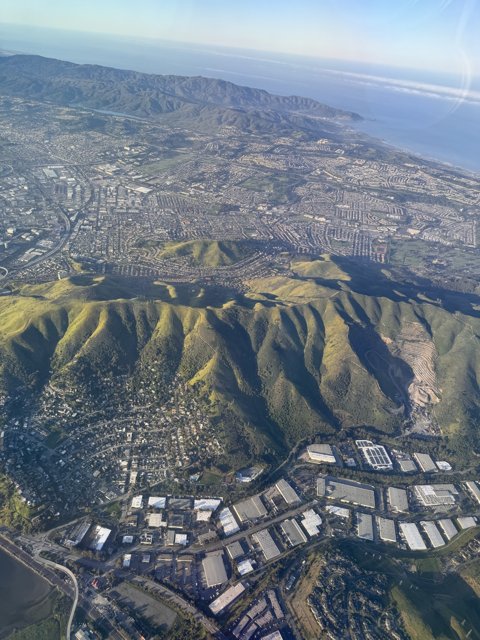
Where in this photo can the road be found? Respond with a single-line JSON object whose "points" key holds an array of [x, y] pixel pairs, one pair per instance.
{"points": [[63, 569]]}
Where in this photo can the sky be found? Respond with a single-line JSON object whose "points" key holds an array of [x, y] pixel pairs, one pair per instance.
{"points": [[440, 35]]}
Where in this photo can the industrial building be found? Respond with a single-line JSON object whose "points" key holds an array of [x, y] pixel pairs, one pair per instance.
{"points": [[78, 533], [99, 536], [397, 500], [156, 520], [207, 504], [320, 453], [425, 462], [228, 522], [375, 455], [311, 522], [474, 489], [467, 522], [293, 532], [235, 550], [339, 512], [214, 569], [407, 465], [250, 509], [226, 598], [412, 536], [448, 528], [245, 567], [137, 502], [433, 533], [287, 492], [267, 544], [364, 526], [386, 529], [157, 502], [350, 491], [436, 495]]}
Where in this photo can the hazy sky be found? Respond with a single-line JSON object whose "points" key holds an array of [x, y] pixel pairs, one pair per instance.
{"points": [[428, 34]]}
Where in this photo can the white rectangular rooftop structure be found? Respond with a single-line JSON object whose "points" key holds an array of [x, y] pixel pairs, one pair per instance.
{"points": [[320, 453], [157, 502], [214, 569], [250, 509], [386, 529], [287, 492], [267, 544], [155, 520], [448, 528], [375, 455], [244, 567], [433, 533], [99, 537], [425, 462], [293, 533], [350, 491], [436, 495], [311, 522], [407, 465], [364, 526], [474, 489], [339, 512], [206, 504], [226, 598], [412, 536], [467, 522], [137, 502], [228, 522], [397, 500]]}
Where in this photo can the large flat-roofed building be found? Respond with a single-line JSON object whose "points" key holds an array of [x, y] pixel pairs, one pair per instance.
{"points": [[407, 465], [287, 492], [364, 526], [448, 528], [375, 455], [267, 544], [350, 491], [99, 536], [474, 489], [214, 569], [386, 529], [467, 522], [311, 522], [206, 504], [250, 509], [436, 495], [320, 453], [156, 520], [226, 598], [433, 534], [228, 522], [321, 487], [78, 533], [412, 536], [425, 462], [157, 502], [235, 550], [397, 500], [137, 502], [293, 533]]}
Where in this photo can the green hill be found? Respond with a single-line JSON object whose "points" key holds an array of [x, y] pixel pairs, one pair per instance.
{"points": [[293, 356], [207, 253]]}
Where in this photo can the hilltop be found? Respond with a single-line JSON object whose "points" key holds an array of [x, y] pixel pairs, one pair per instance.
{"points": [[210, 102], [327, 347]]}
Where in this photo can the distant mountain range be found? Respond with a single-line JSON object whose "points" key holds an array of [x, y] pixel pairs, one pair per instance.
{"points": [[211, 102]]}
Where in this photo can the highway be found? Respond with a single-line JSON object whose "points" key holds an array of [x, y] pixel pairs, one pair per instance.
{"points": [[63, 569]]}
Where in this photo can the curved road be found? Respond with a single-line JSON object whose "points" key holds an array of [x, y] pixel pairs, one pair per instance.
{"points": [[63, 569]]}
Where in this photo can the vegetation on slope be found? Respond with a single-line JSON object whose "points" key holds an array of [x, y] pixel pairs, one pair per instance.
{"points": [[294, 356]]}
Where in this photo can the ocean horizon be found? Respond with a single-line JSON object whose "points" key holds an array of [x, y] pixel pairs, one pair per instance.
{"points": [[434, 115]]}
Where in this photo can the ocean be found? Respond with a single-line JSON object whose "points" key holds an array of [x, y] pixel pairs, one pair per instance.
{"points": [[432, 115]]}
